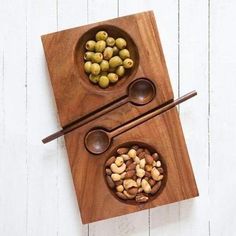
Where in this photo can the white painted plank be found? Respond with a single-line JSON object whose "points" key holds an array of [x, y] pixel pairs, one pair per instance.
{"points": [[194, 114], [13, 167], [99, 10], [71, 13], [43, 171], [222, 117]]}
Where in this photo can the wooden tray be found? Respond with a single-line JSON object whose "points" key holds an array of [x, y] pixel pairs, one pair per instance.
{"points": [[76, 96]]}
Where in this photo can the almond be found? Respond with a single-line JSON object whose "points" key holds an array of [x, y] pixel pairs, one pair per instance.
{"points": [[110, 182], [156, 187], [110, 161], [149, 159], [121, 195], [108, 171], [129, 174], [131, 166], [132, 191], [123, 150]]}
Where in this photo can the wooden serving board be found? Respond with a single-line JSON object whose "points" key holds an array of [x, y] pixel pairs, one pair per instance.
{"points": [[76, 96]]}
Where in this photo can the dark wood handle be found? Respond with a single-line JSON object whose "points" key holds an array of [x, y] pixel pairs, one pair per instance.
{"points": [[87, 118], [148, 116]]}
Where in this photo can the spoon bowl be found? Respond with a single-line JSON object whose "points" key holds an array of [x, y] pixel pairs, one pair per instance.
{"points": [[141, 91], [97, 141]]}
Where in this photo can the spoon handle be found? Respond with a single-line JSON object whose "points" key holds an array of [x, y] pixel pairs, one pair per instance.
{"points": [[87, 118], [148, 116]]}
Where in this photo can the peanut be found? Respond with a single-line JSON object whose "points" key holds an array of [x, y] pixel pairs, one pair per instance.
{"points": [[120, 188], [119, 161], [132, 153], [148, 168], [115, 177]]}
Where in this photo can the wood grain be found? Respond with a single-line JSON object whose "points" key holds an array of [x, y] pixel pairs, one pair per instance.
{"points": [[69, 81]]}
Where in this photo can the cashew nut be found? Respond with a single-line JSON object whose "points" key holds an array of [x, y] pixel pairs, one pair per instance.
{"points": [[126, 157], [123, 175], [129, 183], [119, 161], [146, 186], [138, 181], [118, 170], [142, 163], [140, 172], [155, 173], [129, 196], [120, 188], [115, 177], [132, 153], [136, 160]]}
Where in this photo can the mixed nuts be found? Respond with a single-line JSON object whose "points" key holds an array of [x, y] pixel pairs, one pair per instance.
{"points": [[106, 59], [134, 173]]}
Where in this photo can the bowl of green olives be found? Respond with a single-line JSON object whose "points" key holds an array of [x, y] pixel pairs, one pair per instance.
{"points": [[106, 57]]}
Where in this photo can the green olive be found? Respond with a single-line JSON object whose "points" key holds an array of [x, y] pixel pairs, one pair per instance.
{"points": [[88, 56], [128, 63], [124, 53], [108, 52], [115, 61], [94, 78], [121, 43], [120, 71], [87, 66], [104, 65], [90, 45], [95, 69], [115, 51], [110, 41], [103, 81], [97, 57], [113, 78], [101, 35], [100, 46]]}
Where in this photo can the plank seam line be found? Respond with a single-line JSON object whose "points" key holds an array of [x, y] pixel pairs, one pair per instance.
{"points": [[209, 106], [26, 120]]}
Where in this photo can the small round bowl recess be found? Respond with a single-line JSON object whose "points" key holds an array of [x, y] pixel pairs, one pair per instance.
{"points": [[152, 150], [79, 51]]}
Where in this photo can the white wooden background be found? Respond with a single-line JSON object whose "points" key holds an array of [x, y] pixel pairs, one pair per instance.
{"points": [[36, 192]]}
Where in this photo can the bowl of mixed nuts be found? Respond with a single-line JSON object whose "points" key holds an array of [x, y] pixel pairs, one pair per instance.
{"points": [[135, 173]]}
